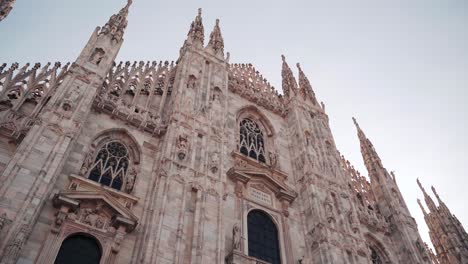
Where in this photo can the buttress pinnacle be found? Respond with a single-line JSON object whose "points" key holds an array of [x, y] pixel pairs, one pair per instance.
{"points": [[305, 87], [117, 24], [196, 34], [289, 82], [216, 42]]}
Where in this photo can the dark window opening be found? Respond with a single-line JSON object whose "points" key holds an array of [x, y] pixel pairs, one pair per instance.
{"points": [[79, 249], [263, 237]]}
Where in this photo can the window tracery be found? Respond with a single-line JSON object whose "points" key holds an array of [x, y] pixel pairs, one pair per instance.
{"points": [[251, 142], [111, 167]]}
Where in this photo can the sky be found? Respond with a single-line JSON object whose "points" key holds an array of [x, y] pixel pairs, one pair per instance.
{"points": [[400, 67]]}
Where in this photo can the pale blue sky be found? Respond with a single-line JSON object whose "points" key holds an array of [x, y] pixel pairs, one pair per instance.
{"points": [[399, 66]]}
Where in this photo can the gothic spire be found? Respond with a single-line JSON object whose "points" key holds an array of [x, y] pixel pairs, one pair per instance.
{"points": [[216, 42], [305, 87], [289, 82], [429, 202], [370, 156], [196, 34], [117, 23], [422, 207]]}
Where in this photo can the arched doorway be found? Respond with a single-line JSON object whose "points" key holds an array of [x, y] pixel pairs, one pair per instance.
{"points": [[263, 237], [78, 249]]}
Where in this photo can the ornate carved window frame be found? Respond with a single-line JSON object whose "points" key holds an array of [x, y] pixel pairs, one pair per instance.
{"points": [[253, 114]]}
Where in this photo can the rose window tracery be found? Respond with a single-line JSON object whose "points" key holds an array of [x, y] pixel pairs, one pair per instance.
{"points": [[251, 141], [111, 165]]}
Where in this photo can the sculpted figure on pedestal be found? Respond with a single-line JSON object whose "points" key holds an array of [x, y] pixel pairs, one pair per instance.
{"points": [[236, 237]]}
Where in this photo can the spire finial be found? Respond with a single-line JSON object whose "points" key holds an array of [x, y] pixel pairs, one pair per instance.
{"points": [[436, 195], [305, 87], [356, 123], [196, 33], [289, 82], [420, 186], [216, 42], [422, 207], [117, 24]]}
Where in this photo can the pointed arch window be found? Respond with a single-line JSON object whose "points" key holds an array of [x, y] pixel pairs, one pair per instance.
{"points": [[111, 165], [251, 141], [263, 237]]}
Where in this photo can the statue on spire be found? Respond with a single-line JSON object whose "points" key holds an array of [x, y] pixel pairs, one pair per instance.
{"points": [[196, 33], [289, 82], [216, 40], [117, 24]]}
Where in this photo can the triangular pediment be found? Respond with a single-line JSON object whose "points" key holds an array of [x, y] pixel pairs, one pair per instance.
{"points": [[121, 212]]}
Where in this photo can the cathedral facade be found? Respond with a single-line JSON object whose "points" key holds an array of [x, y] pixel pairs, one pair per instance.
{"points": [[194, 161]]}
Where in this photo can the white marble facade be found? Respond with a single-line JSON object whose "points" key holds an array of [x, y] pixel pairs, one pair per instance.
{"points": [[156, 163]]}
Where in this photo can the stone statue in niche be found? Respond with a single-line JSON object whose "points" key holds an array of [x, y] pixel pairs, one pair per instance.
{"points": [[87, 163], [13, 249], [4, 220], [214, 162], [329, 210], [192, 81], [236, 237], [97, 56], [273, 159], [182, 146], [130, 180], [353, 222]]}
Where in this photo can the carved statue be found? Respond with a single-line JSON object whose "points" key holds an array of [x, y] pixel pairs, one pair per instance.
{"points": [[130, 180], [236, 237], [182, 146], [97, 56], [214, 162], [329, 210], [87, 163], [191, 83], [273, 159]]}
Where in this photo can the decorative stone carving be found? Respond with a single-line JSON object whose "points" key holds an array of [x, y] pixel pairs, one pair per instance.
{"points": [[97, 56], [214, 162], [4, 220], [13, 249], [329, 210], [236, 237], [273, 159], [130, 180], [192, 82], [182, 146], [88, 162]]}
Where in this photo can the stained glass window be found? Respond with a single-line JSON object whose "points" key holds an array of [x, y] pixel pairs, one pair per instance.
{"points": [[263, 237], [110, 165], [251, 140]]}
